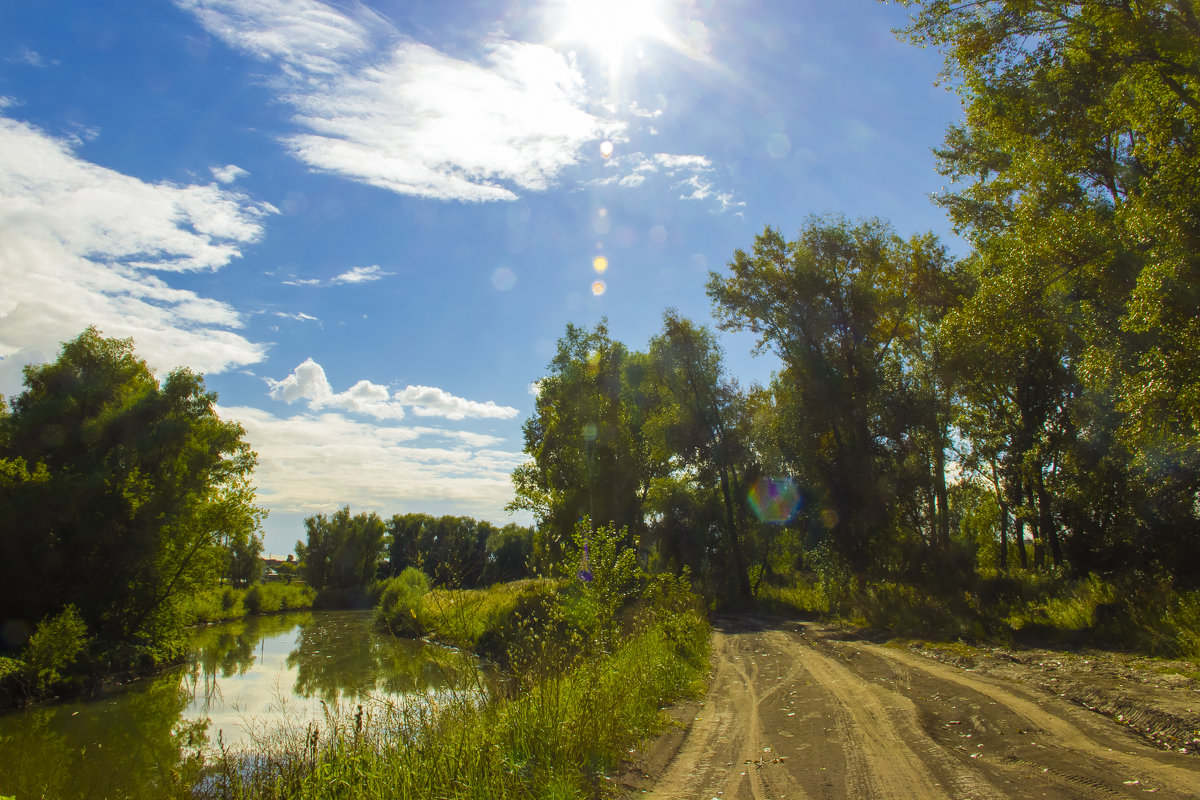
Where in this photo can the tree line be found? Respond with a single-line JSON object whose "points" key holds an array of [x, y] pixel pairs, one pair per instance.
{"points": [[1034, 404], [344, 554]]}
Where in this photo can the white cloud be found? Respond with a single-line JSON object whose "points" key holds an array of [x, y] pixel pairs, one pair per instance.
{"points": [[427, 401], [84, 245], [228, 173], [672, 161], [27, 56], [405, 117], [306, 36], [361, 275], [299, 316], [308, 382], [691, 174], [351, 276], [316, 461]]}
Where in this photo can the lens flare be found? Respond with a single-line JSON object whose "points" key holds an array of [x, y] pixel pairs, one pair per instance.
{"points": [[600, 264], [774, 500], [598, 288], [606, 148]]}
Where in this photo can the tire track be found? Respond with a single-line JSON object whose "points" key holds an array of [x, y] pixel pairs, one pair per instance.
{"points": [[792, 713]]}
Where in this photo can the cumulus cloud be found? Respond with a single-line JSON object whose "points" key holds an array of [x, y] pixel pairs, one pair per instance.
{"points": [[317, 461], [403, 116], [308, 383], [427, 401], [81, 244]]}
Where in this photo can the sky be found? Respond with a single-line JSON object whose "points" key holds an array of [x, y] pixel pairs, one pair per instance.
{"points": [[367, 224]]}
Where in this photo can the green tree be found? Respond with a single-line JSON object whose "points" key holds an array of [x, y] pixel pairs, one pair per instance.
{"points": [[588, 456], [404, 537], [699, 420], [509, 551], [1077, 178], [838, 306], [118, 491], [341, 555], [242, 551]]}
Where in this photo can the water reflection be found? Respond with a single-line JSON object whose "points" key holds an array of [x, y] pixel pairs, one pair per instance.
{"points": [[247, 680], [134, 744], [334, 662]]}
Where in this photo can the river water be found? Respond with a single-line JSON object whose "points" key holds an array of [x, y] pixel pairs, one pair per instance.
{"points": [[246, 681]]}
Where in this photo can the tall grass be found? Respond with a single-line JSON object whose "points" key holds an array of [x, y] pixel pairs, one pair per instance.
{"points": [[591, 664], [227, 603], [1145, 616]]}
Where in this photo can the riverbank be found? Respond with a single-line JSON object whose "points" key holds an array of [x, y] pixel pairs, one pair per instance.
{"points": [[60, 660], [590, 662], [150, 739]]}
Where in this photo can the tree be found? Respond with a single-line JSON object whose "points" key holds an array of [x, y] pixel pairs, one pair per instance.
{"points": [[1077, 181], [341, 555], [118, 491], [699, 422], [509, 551], [838, 306], [588, 456]]}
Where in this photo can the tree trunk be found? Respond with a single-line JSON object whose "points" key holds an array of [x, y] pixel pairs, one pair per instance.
{"points": [[942, 509], [1003, 537], [741, 579]]}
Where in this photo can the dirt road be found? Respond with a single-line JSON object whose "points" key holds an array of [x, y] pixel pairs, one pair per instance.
{"points": [[797, 710]]}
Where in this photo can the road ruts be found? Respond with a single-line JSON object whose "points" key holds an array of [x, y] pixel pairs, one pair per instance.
{"points": [[793, 712]]}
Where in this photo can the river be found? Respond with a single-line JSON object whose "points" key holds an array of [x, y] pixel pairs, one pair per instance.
{"points": [[245, 682]]}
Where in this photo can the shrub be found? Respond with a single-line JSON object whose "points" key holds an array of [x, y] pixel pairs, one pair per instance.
{"points": [[400, 603], [52, 648]]}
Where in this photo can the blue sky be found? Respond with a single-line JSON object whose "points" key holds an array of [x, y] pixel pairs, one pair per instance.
{"points": [[367, 224]]}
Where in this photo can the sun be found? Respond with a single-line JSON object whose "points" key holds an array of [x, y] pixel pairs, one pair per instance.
{"points": [[610, 29]]}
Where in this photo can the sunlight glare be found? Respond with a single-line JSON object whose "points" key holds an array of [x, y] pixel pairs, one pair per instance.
{"points": [[611, 28]]}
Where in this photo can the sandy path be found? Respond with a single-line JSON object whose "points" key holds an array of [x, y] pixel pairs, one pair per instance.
{"points": [[799, 711]]}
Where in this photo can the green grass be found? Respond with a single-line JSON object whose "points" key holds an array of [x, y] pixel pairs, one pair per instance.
{"points": [[571, 712], [222, 603], [1051, 609]]}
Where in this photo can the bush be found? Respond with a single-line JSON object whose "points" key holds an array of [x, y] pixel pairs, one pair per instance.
{"points": [[53, 647], [400, 603]]}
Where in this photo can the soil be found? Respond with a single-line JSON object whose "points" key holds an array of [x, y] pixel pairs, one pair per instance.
{"points": [[801, 710]]}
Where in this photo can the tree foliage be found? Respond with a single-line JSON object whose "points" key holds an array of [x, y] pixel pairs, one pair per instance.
{"points": [[1077, 180], [118, 492], [588, 454], [341, 555], [843, 306]]}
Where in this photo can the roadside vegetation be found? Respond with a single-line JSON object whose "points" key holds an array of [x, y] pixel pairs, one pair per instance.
{"points": [[584, 661]]}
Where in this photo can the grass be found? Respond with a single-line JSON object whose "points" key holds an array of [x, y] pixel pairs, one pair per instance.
{"points": [[1146, 618], [554, 735], [555, 739], [222, 603], [590, 667]]}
